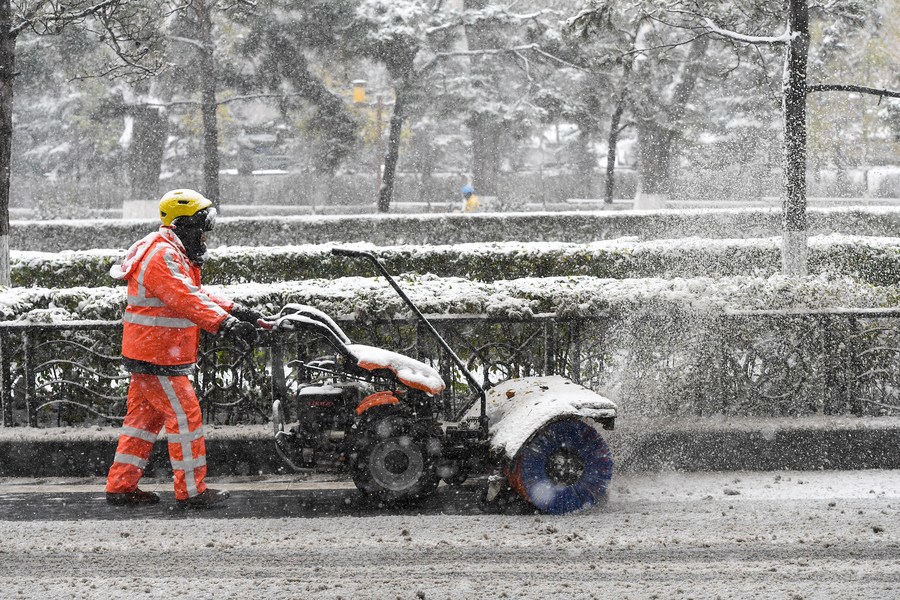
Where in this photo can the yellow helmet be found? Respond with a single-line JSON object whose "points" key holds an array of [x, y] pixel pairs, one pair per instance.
{"points": [[181, 203]]}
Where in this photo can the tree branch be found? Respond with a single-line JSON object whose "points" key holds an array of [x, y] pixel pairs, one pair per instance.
{"points": [[623, 127], [527, 68], [662, 46], [442, 27], [765, 71], [545, 54], [220, 102], [189, 41], [838, 87], [493, 15], [62, 16], [749, 39], [729, 71], [133, 72], [497, 51], [255, 96]]}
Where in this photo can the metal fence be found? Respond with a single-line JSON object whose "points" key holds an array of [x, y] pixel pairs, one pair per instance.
{"points": [[789, 363], [652, 362], [70, 373]]}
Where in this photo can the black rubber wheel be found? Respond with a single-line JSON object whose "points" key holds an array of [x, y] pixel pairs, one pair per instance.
{"points": [[565, 466], [394, 457]]}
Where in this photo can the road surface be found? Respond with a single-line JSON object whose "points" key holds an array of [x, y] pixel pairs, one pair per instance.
{"points": [[825, 534]]}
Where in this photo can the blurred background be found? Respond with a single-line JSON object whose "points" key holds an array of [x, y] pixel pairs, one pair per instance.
{"points": [[537, 104]]}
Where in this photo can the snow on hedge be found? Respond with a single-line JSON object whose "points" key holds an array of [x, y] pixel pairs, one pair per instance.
{"points": [[371, 298], [871, 259], [389, 229]]}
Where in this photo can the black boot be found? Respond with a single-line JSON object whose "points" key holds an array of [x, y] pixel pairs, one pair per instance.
{"points": [[208, 498], [134, 497]]}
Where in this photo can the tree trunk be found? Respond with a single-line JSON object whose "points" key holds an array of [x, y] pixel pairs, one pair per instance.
{"points": [[794, 254], [611, 145], [585, 162], [657, 133], [145, 154], [614, 131], [208, 106], [842, 186], [486, 141], [386, 192], [7, 75], [654, 156], [486, 130]]}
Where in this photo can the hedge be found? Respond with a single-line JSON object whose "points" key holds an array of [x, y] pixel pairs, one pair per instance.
{"points": [[660, 347], [433, 229], [369, 298], [872, 260]]}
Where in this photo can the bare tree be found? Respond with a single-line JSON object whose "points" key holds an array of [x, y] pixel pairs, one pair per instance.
{"points": [[122, 26], [615, 129], [202, 13], [657, 137], [198, 15], [695, 16], [658, 76], [795, 89], [412, 39]]}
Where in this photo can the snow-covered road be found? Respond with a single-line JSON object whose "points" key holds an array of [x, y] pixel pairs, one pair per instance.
{"points": [[730, 535]]}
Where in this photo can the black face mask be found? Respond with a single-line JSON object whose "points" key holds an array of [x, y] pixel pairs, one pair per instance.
{"points": [[192, 238], [191, 230]]}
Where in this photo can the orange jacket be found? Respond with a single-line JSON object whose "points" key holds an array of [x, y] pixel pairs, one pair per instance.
{"points": [[167, 306]]}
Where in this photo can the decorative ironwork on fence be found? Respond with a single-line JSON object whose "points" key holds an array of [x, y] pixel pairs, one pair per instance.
{"points": [[70, 373], [764, 363], [788, 363]]}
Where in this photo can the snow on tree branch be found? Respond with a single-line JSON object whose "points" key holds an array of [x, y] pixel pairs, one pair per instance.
{"points": [[224, 101], [750, 39], [59, 15], [190, 41], [497, 51], [582, 14], [665, 46], [838, 87], [492, 14]]}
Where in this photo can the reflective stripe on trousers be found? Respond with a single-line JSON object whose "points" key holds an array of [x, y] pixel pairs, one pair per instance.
{"points": [[155, 401]]}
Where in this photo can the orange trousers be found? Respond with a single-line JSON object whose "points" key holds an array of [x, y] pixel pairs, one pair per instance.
{"points": [[154, 401]]}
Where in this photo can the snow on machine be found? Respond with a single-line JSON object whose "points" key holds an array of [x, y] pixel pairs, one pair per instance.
{"points": [[380, 415]]}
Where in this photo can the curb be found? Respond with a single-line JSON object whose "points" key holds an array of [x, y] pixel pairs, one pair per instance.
{"points": [[697, 445], [791, 450], [63, 458]]}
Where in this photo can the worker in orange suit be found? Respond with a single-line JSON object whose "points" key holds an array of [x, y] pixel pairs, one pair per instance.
{"points": [[167, 307]]}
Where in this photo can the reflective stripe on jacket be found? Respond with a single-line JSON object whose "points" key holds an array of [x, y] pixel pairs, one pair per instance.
{"points": [[167, 306]]}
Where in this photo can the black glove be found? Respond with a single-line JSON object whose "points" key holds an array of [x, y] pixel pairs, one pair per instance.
{"points": [[243, 313], [241, 331]]}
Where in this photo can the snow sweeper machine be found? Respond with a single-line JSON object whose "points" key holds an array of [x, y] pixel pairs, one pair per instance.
{"points": [[380, 415]]}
